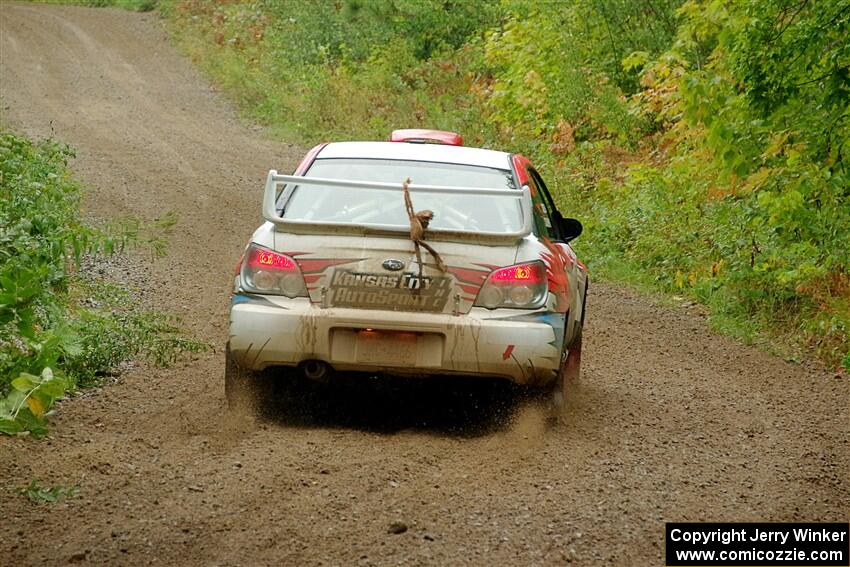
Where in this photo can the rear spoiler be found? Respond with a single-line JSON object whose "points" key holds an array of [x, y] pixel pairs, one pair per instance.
{"points": [[319, 227]]}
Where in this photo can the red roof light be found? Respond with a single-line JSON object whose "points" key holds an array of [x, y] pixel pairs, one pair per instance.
{"points": [[521, 165], [427, 136]]}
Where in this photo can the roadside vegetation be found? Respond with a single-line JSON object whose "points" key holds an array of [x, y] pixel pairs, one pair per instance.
{"points": [[132, 5], [62, 328], [704, 144]]}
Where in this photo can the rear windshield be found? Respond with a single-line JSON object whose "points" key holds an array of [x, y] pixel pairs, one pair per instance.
{"points": [[464, 212]]}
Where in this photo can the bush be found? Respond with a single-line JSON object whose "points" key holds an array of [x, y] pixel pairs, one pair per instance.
{"points": [[50, 341]]}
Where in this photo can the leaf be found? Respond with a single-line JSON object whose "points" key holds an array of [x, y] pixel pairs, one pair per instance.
{"points": [[51, 495], [25, 382], [635, 60], [35, 405], [10, 426], [38, 493], [32, 423], [13, 400], [70, 343], [53, 388]]}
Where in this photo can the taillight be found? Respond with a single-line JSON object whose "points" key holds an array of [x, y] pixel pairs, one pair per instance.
{"points": [[522, 286], [265, 271]]}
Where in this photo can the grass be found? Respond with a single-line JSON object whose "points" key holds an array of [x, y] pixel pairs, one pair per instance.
{"points": [[131, 5]]}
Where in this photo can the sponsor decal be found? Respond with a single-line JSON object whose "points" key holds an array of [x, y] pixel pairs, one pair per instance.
{"points": [[389, 291], [254, 300], [555, 320], [557, 262], [470, 280], [313, 270]]}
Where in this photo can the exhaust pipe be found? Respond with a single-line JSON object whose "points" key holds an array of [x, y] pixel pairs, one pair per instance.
{"points": [[316, 370]]}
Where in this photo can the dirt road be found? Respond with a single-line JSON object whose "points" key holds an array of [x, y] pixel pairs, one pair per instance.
{"points": [[671, 422]]}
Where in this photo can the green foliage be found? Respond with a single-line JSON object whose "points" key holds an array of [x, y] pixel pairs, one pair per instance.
{"points": [[303, 32], [115, 330], [132, 5], [31, 397], [50, 342], [771, 108], [599, 35], [533, 96], [38, 493], [351, 68], [704, 144]]}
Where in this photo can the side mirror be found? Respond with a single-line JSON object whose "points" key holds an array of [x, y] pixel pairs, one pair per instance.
{"points": [[570, 228]]}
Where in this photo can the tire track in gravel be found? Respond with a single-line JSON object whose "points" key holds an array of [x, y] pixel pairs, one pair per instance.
{"points": [[670, 422]]}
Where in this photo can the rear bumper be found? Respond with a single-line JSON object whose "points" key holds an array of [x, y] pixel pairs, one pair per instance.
{"points": [[522, 346]]}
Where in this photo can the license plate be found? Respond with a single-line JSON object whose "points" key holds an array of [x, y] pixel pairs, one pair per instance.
{"points": [[387, 348]]}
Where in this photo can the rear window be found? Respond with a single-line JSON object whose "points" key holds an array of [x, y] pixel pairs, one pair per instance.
{"points": [[386, 207]]}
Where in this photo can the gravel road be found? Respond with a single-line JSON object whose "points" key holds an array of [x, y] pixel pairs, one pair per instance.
{"points": [[670, 421]]}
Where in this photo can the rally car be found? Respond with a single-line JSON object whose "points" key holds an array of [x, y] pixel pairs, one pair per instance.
{"points": [[338, 279]]}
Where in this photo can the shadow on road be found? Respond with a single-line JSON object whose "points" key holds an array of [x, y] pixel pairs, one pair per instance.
{"points": [[448, 405]]}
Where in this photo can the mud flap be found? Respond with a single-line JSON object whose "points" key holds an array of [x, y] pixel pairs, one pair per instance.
{"points": [[569, 373]]}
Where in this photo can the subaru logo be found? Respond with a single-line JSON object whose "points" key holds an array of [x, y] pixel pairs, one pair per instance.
{"points": [[393, 265]]}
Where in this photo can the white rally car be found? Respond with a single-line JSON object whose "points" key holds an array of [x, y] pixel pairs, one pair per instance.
{"points": [[331, 282]]}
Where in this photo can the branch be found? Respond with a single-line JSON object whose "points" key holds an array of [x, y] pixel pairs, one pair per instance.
{"points": [[790, 21], [816, 79]]}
